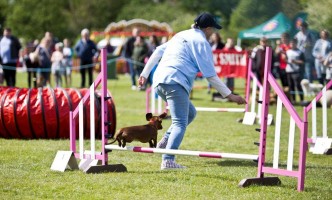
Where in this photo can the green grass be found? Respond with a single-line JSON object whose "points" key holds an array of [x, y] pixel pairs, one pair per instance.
{"points": [[25, 164]]}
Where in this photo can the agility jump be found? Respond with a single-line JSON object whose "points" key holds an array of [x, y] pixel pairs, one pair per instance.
{"points": [[295, 121], [90, 159], [319, 143], [184, 152]]}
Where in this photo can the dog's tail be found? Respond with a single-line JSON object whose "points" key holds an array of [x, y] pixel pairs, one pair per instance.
{"points": [[115, 137], [114, 140]]}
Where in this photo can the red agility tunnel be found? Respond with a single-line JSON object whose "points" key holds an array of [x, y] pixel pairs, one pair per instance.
{"points": [[43, 113]]}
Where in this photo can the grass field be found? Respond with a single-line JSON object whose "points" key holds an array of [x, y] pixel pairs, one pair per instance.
{"points": [[25, 164]]}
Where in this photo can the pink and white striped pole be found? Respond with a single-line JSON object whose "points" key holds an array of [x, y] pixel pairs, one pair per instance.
{"points": [[241, 110], [183, 152]]}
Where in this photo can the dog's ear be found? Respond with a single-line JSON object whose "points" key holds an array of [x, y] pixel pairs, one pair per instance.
{"points": [[163, 115], [148, 116]]}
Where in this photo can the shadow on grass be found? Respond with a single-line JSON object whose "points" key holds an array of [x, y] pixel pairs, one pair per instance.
{"points": [[185, 172], [197, 99], [318, 167], [295, 167], [236, 163]]}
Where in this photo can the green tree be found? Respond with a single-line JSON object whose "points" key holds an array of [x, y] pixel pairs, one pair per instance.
{"points": [[167, 11], [149, 10], [4, 8], [64, 18], [32, 18], [92, 14], [250, 13], [322, 19], [292, 7], [220, 8]]}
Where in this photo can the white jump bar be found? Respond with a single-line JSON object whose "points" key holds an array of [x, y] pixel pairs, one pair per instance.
{"points": [[183, 152], [220, 109]]}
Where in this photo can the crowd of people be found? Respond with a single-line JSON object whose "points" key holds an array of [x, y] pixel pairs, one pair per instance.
{"points": [[302, 57], [46, 58], [51, 58], [305, 58], [298, 59], [41, 59]]}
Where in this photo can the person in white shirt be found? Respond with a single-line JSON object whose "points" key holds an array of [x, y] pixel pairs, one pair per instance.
{"points": [[68, 63], [58, 68], [295, 61], [322, 48], [328, 64], [182, 57]]}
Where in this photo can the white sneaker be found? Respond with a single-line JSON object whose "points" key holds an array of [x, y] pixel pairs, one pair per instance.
{"points": [[133, 87], [162, 143], [170, 165]]}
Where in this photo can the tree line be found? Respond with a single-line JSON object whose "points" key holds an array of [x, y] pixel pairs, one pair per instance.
{"points": [[30, 19]]}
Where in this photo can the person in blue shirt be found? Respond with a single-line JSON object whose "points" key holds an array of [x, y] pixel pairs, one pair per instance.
{"points": [[86, 50], [182, 57]]}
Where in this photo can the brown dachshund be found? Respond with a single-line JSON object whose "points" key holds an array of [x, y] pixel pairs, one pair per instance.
{"points": [[144, 133]]}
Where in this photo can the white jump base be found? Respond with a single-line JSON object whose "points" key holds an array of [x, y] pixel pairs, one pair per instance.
{"points": [[183, 152]]}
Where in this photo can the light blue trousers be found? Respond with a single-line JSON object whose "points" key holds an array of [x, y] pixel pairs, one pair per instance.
{"points": [[182, 113]]}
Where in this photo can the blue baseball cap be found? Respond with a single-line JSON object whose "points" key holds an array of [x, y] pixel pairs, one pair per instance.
{"points": [[205, 20]]}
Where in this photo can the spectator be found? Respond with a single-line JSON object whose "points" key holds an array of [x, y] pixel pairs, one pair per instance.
{"points": [[1, 75], [328, 64], [305, 43], [230, 46], [140, 52], [108, 46], [258, 59], [216, 41], [128, 51], [30, 60], [58, 69], [9, 55], [164, 39], [44, 60], [86, 50], [68, 61], [321, 49], [280, 52], [182, 57], [295, 61], [53, 40], [153, 44], [216, 44]]}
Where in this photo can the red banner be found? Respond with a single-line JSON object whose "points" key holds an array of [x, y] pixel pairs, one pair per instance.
{"points": [[230, 63]]}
